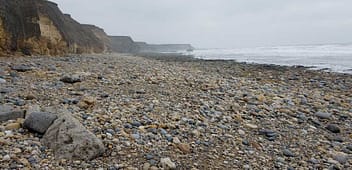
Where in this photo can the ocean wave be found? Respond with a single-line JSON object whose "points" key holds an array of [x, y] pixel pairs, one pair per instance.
{"points": [[332, 57]]}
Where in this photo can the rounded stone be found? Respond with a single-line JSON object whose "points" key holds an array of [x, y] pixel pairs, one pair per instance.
{"points": [[323, 115], [333, 128], [39, 121]]}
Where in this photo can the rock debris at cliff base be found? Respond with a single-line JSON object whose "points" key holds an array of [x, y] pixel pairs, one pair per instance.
{"points": [[181, 114]]}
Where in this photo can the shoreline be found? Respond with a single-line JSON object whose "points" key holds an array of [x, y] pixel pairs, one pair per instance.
{"points": [[197, 114], [179, 57]]}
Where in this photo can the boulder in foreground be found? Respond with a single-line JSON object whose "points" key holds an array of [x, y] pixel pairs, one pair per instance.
{"points": [[39, 121], [70, 140]]}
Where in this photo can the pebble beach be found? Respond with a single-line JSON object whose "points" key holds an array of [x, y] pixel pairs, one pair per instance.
{"points": [[176, 112]]}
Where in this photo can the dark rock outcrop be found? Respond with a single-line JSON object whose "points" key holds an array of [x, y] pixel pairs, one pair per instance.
{"points": [[39, 27], [123, 44]]}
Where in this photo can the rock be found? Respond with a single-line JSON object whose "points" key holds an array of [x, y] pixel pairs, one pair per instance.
{"points": [[163, 131], [252, 126], [70, 101], [128, 126], [153, 168], [6, 158], [2, 81], [333, 128], [5, 90], [30, 97], [10, 113], [167, 164], [184, 147], [12, 126], [136, 124], [17, 150], [342, 158], [176, 140], [18, 102], [39, 121], [241, 132], [24, 162], [71, 79], [269, 134], [261, 98], [86, 102], [146, 166], [196, 133], [21, 68], [313, 161], [149, 156], [245, 142], [349, 147], [32, 108], [70, 140], [288, 153], [135, 136], [323, 115]]}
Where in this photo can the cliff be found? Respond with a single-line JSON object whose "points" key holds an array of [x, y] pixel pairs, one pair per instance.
{"points": [[145, 47], [39, 27], [101, 35], [123, 44]]}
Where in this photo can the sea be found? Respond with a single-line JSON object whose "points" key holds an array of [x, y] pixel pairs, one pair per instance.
{"points": [[327, 57]]}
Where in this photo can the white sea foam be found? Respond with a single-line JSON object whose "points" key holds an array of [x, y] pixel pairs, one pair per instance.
{"points": [[337, 58]]}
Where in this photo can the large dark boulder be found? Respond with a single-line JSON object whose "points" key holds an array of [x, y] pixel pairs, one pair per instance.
{"points": [[39, 121]]}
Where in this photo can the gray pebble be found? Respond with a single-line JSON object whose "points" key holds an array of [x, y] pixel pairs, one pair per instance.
{"points": [[323, 115], [136, 124], [333, 128], [21, 68], [341, 158], [135, 136], [349, 147], [71, 79], [288, 153], [163, 131]]}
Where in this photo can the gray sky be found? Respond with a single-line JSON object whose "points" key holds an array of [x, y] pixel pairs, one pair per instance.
{"points": [[219, 23]]}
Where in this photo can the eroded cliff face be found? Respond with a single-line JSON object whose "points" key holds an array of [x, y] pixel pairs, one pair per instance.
{"points": [[123, 44], [3, 38], [101, 35], [39, 27]]}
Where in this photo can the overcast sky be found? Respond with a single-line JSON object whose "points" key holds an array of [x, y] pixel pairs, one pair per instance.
{"points": [[219, 23]]}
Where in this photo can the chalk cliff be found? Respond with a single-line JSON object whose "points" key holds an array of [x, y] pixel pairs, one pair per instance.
{"points": [[39, 27]]}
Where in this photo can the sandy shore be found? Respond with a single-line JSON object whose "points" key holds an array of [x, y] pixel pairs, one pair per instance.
{"points": [[199, 114]]}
